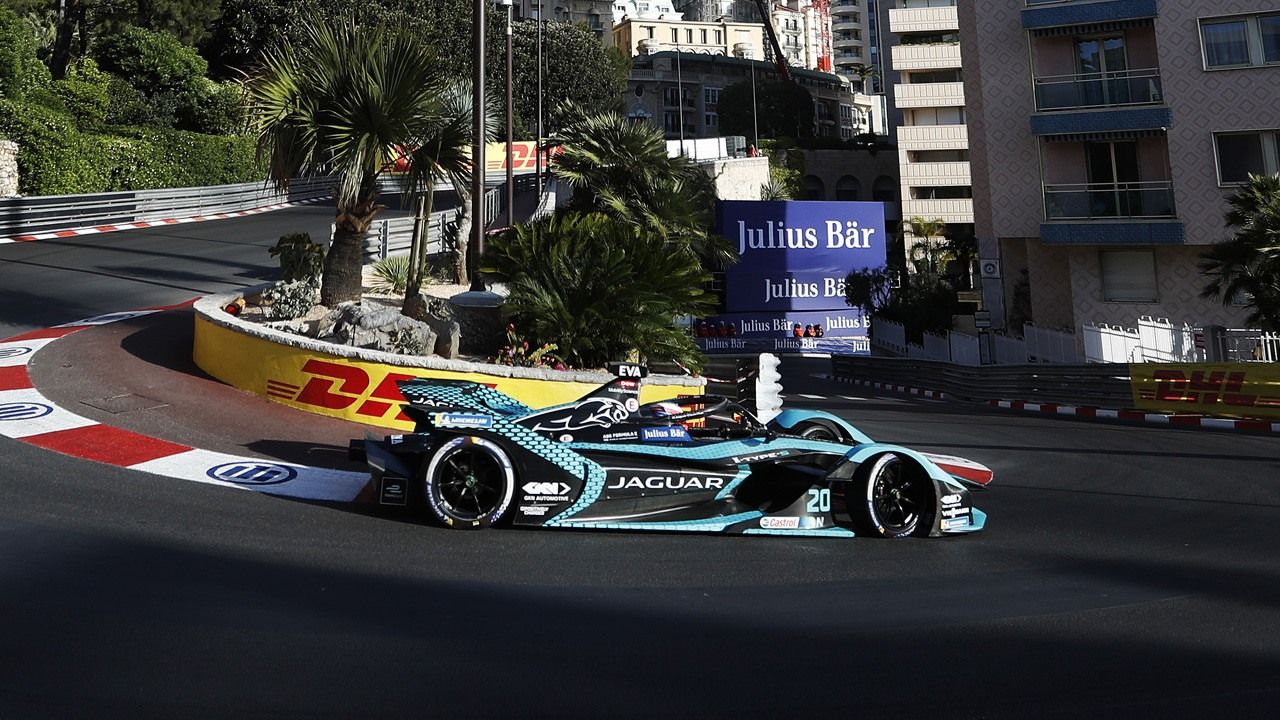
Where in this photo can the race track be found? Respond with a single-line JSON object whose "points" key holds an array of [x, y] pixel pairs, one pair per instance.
{"points": [[1126, 571]]}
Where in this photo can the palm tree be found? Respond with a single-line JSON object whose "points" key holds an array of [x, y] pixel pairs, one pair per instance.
{"points": [[925, 255], [864, 73], [623, 168], [343, 101], [442, 152], [1247, 266]]}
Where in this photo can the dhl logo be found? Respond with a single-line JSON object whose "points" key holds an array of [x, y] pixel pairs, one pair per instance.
{"points": [[523, 157], [1206, 387], [333, 386]]}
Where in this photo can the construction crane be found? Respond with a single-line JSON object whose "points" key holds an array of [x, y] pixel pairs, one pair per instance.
{"points": [[779, 60], [822, 14]]}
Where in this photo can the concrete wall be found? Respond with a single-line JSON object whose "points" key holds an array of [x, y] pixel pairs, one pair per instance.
{"points": [[831, 165], [8, 168], [738, 178]]}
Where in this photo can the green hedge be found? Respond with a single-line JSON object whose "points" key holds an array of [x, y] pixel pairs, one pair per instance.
{"points": [[55, 158]]}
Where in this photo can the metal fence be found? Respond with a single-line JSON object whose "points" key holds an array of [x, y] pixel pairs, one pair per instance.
{"points": [[30, 215], [1092, 384], [394, 236]]}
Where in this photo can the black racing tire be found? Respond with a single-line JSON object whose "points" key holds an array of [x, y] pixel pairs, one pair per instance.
{"points": [[817, 431], [469, 483], [896, 498]]}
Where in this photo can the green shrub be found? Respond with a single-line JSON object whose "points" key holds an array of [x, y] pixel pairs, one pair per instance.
{"points": [[300, 259], [391, 274], [213, 108], [84, 101], [55, 158], [152, 61], [600, 288], [21, 72]]}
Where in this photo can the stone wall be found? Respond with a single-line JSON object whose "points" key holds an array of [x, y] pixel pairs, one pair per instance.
{"points": [[738, 178], [8, 168]]}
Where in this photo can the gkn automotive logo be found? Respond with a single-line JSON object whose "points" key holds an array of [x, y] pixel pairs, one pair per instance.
{"points": [[546, 491], [250, 473]]}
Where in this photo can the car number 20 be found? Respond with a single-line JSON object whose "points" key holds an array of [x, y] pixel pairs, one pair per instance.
{"points": [[819, 501]]}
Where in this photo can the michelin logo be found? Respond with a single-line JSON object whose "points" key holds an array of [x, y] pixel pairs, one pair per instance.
{"points": [[460, 420]]}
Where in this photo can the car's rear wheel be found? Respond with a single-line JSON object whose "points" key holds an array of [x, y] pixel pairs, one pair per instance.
{"points": [[817, 431], [896, 498], [469, 483]]}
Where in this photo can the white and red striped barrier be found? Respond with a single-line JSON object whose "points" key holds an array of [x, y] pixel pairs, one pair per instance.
{"points": [[28, 416], [100, 229], [1192, 421]]}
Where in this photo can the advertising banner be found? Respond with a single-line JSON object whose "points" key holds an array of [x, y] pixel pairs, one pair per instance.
{"points": [[787, 291], [1231, 389]]}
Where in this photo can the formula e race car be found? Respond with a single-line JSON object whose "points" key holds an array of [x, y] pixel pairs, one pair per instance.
{"points": [[702, 463]]}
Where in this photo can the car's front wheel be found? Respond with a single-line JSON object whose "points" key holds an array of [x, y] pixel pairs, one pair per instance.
{"points": [[896, 498], [469, 483]]}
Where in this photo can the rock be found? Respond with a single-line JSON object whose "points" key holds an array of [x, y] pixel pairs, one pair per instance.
{"points": [[295, 327], [439, 316], [376, 328]]}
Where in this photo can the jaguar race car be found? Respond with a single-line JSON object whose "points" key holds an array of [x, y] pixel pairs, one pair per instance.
{"points": [[479, 458]]}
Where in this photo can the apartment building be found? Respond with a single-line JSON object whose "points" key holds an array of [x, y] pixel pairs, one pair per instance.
{"points": [[925, 95], [1105, 137], [667, 88], [597, 14], [637, 9], [652, 35], [852, 40]]}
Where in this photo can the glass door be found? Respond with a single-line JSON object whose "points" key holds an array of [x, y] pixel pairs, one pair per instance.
{"points": [[1113, 176], [1102, 63]]}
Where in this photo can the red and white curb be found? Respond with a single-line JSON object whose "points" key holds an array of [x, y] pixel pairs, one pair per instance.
{"points": [[28, 416], [98, 230], [1192, 421], [917, 392]]}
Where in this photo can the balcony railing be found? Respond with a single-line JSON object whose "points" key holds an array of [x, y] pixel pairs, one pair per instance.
{"points": [[1092, 201], [1093, 90]]}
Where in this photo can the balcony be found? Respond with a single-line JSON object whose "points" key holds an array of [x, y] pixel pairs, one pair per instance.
{"points": [[1109, 201], [1097, 90], [929, 95], [912, 20], [958, 212], [936, 173], [933, 137], [925, 57], [1042, 14], [1119, 120]]}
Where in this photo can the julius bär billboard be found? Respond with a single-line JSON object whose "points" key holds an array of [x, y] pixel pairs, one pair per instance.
{"points": [[787, 291]]}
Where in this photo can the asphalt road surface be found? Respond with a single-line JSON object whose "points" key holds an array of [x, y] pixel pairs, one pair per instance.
{"points": [[1126, 571]]}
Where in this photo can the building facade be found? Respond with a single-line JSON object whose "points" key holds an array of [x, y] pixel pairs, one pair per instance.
{"points": [[851, 38], [652, 35], [925, 95], [1106, 135], [596, 14], [667, 88]]}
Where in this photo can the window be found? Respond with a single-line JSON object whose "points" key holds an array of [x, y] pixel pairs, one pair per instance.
{"points": [[703, 34], [1241, 41], [1240, 154], [671, 96], [711, 120], [649, 31], [675, 35], [719, 37], [1128, 276], [688, 35]]}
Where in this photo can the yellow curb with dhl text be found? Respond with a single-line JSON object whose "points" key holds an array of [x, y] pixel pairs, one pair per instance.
{"points": [[360, 385]]}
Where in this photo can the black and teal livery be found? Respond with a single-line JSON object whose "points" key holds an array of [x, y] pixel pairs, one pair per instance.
{"points": [[479, 458]]}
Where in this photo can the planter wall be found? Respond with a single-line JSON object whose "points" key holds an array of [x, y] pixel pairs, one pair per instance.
{"points": [[359, 385]]}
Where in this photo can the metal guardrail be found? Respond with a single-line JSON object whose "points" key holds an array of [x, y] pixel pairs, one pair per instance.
{"points": [[28, 215], [394, 236], [1106, 385]]}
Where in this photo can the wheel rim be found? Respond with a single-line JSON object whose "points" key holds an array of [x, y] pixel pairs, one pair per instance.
{"points": [[471, 482], [895, 497]]}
